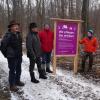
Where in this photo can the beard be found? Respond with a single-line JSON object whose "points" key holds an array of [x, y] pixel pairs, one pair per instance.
{"points": [[90, 37]]}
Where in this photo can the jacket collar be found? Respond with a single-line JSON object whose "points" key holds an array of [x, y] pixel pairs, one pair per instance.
{"points": [[90, 38], [34, 33], [46, 30]]}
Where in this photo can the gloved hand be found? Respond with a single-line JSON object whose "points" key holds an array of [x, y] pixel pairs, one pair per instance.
{"points": [[94, 54]]}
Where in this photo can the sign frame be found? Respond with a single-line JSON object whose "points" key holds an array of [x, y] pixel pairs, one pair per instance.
{"points": [[76, 56]]}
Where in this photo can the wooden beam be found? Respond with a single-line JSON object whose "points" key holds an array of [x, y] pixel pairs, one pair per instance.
{"points": [[70, 20]]}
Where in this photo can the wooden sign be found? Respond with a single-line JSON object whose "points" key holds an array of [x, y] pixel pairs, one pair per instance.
{"points": [[66, 40]]}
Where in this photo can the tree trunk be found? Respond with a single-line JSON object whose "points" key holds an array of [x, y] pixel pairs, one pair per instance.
{"points": [[85, 16]]}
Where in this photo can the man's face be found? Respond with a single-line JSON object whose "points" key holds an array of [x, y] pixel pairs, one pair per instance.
{"points": [[15, 28], [47, 27], [89, 34], [35, 29]]}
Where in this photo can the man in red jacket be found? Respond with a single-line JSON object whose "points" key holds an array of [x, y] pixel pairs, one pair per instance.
{"points": [[90, 44], [46, 39]]}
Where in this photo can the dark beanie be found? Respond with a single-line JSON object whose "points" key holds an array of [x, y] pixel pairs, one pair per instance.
{"points": [[32, 25]]}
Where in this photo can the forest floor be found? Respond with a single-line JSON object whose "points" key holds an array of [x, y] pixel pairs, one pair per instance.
{"points": [[63, 86]]}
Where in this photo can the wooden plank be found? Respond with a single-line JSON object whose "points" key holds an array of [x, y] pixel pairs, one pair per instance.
{"points": [[65, 55], [54, 57], [69, 20], [54, 65], [77, 54]]}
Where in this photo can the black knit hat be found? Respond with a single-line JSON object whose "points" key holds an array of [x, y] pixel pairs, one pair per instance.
{"points": [[13, 22], [32, 25]]}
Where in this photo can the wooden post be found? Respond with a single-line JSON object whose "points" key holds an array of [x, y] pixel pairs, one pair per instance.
{"points": [[77, 54], [75, 64], [54, 55]]}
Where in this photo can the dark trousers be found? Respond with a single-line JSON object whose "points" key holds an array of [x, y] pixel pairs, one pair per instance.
{"points": [[32, 65], [46, 57], [85, 56], [14, 65]]}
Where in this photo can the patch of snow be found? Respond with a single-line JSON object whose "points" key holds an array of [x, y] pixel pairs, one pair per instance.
{"points": [[63, 86]]}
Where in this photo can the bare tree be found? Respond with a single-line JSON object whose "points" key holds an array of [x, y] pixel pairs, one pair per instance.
{"points": [[40, 11], [85, 15]]}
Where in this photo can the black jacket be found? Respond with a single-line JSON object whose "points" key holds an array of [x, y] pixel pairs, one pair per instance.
{"points": [[33, 45], [11, 45]]}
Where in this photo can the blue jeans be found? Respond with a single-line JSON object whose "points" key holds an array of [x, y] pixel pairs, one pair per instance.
{"points": [[14, 65], [46, 57]]}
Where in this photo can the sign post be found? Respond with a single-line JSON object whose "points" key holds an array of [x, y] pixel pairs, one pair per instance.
{"points": [[66, 40]]}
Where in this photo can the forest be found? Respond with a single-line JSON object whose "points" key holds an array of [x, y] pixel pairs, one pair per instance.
{"points": [[40, 11]]}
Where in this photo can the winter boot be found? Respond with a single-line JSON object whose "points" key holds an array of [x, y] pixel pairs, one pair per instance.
{"points": [[13, 88], [42, 74], [43, 67], [48, 68], [33, 79], [19, 83]]}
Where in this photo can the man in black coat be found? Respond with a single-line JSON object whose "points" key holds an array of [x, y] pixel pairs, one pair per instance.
{"points": [[11, 47], [34, 52]]}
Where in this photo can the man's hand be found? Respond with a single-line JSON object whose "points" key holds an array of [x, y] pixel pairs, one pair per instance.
{"points": [[94, 54]]}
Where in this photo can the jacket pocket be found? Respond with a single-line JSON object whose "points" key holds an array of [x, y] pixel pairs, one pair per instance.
{"points": [[10, 52]]}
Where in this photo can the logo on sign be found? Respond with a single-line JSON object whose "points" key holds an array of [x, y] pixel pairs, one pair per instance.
{"points": [[64, 27]]}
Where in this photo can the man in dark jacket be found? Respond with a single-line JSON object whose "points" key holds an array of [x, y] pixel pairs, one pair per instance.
{"points": [[11, 47], [46, 38], [34, 52]]}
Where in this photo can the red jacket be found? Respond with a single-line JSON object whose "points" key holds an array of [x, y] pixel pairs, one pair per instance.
{"points": [[89, 45], [46, 38]]}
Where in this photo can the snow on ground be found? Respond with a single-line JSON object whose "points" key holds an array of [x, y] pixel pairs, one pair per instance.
{"points": [[63, 86]]}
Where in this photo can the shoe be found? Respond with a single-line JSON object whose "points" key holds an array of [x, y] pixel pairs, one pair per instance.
{"points": [[43, 77], [42, 74], [34, 81], [19, 83], [49, 71], [48, 68], [13, 88]]}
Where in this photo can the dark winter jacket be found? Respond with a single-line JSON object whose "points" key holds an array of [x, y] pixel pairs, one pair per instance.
{"points": [[33, 45], [11, 45]]}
